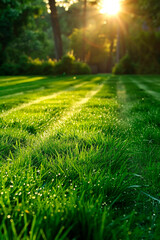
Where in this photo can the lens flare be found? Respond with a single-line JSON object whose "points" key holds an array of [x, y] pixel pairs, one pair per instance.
{"points": [[110, 7]]}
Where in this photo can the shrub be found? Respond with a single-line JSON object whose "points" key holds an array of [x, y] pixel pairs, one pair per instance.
{"points": [[23, 64], [9, 69], [38, 67], [81, 68], [48, 67], [125, 66], [67, 65]]}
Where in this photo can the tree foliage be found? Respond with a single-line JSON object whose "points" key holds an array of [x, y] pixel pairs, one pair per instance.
{"points": [[26, 31], [150, 9], [14, 17]]}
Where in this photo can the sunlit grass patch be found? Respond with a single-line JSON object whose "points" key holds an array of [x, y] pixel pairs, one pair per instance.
{"points": [[83, 164], [10, 141]]}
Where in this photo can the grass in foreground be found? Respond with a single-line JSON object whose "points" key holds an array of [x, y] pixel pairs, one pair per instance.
{"points": [[90, 167]]}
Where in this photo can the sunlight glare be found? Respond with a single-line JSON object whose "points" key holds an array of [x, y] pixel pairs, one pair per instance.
{"points": [[110, 7]]}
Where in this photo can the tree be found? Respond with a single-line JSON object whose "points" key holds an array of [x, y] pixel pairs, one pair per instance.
{"points": [[14, 16], [84, 28], [56, 30], [151, 11]]}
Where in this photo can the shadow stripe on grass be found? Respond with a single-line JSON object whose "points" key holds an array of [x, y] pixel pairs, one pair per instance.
{"points": [[154, 81], [4, 114], [75, 109], [154, 94], [19, 81]]}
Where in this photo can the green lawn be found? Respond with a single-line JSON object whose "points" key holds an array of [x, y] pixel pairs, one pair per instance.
{"points": [[80, 157]]}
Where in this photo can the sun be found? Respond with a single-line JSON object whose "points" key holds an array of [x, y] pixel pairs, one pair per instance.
{"points": [[110, 7]]}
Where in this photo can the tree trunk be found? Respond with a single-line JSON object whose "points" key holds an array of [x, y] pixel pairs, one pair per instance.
{"points": [[123, 35], [84, 30], [110, 60], [118, 44], [3, 54], [56, 30]]}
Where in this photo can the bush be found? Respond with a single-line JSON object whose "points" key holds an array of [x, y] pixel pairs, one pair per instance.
{"points": [[81, 68], [67, 65], [48, 67], [9, 69], [38, 67], [33, 67], [125, 66]]}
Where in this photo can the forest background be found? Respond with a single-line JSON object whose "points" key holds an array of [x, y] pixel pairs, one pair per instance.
{"points": [[74, 37]]}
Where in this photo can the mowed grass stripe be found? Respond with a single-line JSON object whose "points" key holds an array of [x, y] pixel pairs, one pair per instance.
{"points": [[36, 118], [12, 95], [154, 80], [45, 87], [20, 81], [154, 94], [45, 82], [40, 138], [6, 79], [121, 90], [152, 83], [141, 112], [140, 125], [37, 82], [39, 100]]}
